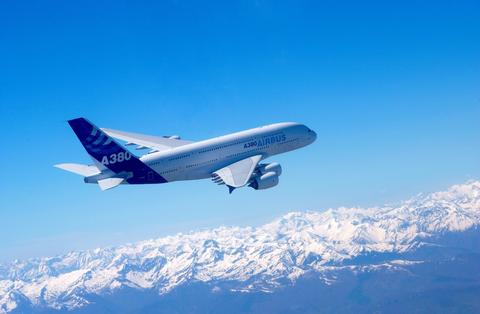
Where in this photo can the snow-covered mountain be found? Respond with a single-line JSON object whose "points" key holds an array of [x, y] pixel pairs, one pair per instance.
{"points": [[247, 260]]}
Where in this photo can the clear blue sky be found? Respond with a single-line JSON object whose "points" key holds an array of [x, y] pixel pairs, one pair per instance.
{"points": [[393, 91]]}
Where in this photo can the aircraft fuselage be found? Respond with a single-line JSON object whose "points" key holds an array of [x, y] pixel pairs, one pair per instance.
{"points": [[198, 160]]}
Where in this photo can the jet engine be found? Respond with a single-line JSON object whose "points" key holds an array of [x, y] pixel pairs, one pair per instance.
{"points": [[265, 181], [271, 167], [266, 176]]}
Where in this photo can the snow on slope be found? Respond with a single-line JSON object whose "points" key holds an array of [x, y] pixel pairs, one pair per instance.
{"points": [[260, 258]]}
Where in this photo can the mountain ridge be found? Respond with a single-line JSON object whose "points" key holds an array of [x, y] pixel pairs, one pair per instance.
{"points": [[247, 259]]}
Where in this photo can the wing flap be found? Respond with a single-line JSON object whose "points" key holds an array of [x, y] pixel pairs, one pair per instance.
{"points": [[238, 174], [156, 143]]}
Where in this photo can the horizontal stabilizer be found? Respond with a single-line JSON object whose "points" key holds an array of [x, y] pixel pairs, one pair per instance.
{"points": [[83, 170], [109, 183]]}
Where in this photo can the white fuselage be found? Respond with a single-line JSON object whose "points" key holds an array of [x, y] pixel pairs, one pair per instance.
{"points": [[200, 159]]}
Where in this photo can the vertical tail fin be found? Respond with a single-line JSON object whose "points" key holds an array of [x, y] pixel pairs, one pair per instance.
{"points": [[104, 149], [107, 152]]}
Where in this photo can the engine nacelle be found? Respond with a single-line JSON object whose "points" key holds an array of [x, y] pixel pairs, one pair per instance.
{"points": [[271, 167], [265, 181]]}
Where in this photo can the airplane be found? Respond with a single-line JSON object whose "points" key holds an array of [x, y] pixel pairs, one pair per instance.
{"points": [[232, 160]]}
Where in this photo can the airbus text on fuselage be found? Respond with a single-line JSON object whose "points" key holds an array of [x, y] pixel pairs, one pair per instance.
{"points": [[233, 159]]}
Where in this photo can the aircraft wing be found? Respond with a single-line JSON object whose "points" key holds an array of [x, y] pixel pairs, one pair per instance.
{"points": [[155, 143], [237, 174]]}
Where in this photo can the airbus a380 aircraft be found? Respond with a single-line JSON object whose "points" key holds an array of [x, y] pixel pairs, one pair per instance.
{"points": [[233, 159]]}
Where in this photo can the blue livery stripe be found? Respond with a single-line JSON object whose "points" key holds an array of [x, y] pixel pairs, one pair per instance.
{"points": [[112, 155]]}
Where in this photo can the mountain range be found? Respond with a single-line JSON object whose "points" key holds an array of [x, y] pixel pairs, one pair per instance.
{"points": [[420, 255]]}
